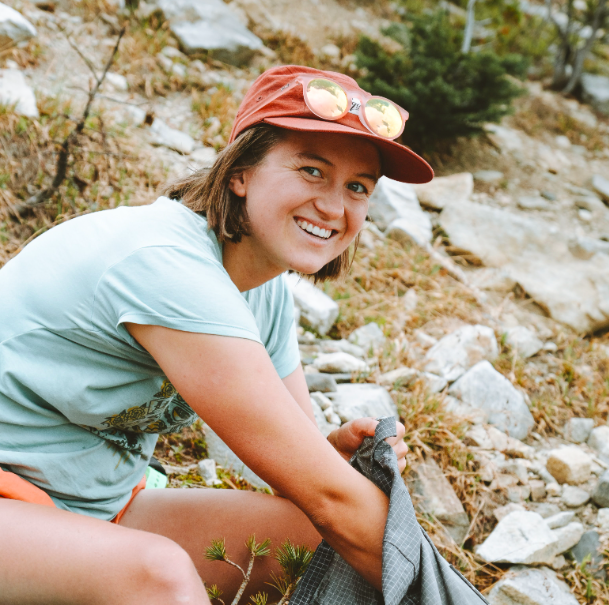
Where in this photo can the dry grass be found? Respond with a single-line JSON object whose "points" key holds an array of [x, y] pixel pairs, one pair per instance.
{"points": [[217, 110]]}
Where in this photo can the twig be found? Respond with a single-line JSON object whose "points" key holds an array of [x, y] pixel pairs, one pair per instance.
{"points": [[246, 578]]}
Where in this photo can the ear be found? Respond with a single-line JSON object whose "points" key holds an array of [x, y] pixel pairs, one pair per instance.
{"points": [[237, 185]]}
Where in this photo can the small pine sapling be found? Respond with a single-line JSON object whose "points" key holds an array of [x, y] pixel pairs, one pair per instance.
{"points": [[294, 561]]}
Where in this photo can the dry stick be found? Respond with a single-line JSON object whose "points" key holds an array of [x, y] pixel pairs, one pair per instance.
{"points": [[246, 578], [64, 154]]}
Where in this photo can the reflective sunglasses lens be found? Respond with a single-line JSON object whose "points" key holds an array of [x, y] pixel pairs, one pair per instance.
{"points": [[383, 118], [326, 99]]}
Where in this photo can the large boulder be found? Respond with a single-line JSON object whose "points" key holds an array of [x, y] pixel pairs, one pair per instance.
{"points": [[484, 388], [352, 401], [595, 90], [531, 586], [14, 27], [458, 351], [434, 495], [368, 336], [317, 310], [212, 26], [444, 190], [15, 92]]}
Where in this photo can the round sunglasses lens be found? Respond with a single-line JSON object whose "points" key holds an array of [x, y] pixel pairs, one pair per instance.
{"points": [[383, 118], [326, 99]]}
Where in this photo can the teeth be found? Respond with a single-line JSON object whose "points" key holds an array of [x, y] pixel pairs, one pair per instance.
{"points": [[314, 230]]}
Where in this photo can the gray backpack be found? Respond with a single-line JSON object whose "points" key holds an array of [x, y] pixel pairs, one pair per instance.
{"points": [[414, 572]]}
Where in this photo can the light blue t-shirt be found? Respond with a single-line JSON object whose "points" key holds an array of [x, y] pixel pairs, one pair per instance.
{"points": [[81, 403]]}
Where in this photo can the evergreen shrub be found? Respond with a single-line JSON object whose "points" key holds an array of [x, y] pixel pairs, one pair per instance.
{"points": [[447, 93]]}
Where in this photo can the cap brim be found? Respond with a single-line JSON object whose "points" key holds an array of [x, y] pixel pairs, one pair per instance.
{"points": [[399, 162]]}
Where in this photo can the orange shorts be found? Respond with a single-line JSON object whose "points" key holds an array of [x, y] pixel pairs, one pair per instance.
{"points": [[14, 487]]}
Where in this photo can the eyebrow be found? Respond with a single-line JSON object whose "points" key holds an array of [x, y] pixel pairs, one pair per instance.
{"points": [[319, 158]]}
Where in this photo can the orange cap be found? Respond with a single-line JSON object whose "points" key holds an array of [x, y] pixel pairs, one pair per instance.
{"points": [[289, 110]]}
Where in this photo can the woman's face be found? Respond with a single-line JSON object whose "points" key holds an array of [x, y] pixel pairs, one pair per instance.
{"points": [[308, 199]]}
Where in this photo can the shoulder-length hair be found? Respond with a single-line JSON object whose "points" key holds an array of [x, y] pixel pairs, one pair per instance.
{"points": [[207, 192]]}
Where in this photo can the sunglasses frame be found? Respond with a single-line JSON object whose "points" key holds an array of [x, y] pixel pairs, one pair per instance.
{"points": [[359, 109]]}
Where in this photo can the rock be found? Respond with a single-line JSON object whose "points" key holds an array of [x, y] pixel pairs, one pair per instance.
{"points": [[165, 136], [574, 497], [518, 493], [410, 300], [484, 388], [130, 115], [465, 412], [602, 520], [325, 417], [203, 157], [569, 464], [400, 377], [368, 337], [547, 509], [445, 190], [207, 470], [211, 26], [560, 519], [344, 346], [531, 586], [601, 186], [353, 401], [488, 176], [533, 203], [14, 27], [436, 497], [460, 350], [553, 489], [578, 430], [524, 341], [507, 140], [14, 91], [518, 468], [330, 51], [321, 383], [595, 90], [504, 511], [116, 82], [226, 458], [496, 280], [520, 537], [391, 201], [538, 490], [601, 492], [599, 440], [568, 536], [407, 231], [590, 546], [479, 436], [317, 310], [433, 382], [337, 363]]}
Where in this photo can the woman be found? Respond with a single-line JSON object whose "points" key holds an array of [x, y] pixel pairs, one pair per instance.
{"points": [[123, 324]]}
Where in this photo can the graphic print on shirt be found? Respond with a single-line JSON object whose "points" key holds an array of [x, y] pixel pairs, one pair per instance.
{"points": [[166, 412]]}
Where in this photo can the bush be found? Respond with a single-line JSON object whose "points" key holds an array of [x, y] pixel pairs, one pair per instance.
{"points": [[448, 94]]}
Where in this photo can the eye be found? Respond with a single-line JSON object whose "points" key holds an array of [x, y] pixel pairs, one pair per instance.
{"points": [[312, 171], [357, 188]]}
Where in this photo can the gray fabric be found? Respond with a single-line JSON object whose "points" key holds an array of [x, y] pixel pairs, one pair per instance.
{"points": [[414, 572]]}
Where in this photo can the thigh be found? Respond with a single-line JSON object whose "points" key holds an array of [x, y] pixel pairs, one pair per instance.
{"points": [[52, 556], [195, 517]]}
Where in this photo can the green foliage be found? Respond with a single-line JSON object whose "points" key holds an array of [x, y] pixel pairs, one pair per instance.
{"points": [[258, 550], [217, 551], [260, 598], [448, 93], [294, 561]]}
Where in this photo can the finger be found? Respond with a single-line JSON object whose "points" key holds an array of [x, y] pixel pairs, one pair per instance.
{"points": [[400, 449], [401, 465], [400, 430], [364, 427]]}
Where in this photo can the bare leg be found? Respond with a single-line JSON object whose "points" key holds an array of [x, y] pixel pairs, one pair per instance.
{"points": [[55, 557], [195, 517]]}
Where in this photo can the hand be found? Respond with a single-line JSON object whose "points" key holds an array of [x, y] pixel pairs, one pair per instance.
{"points": [[347, 439]]}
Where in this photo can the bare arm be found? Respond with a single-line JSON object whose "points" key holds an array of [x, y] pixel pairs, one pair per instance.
{"points": [[232, 384]]}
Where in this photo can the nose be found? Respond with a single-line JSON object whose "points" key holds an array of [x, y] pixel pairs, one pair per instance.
{"points": [[330, 204]]}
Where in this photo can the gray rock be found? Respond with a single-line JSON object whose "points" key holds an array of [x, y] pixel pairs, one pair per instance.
{"points": [[352, 401], [212, 26], [484, 388], [393, 200], [433, 382], [531, 586], [14, 27], [504, 511], [368, 336], [338, 363], [325, 417], [410, 231], [165, 136], [599, 440], [578, 430], [226, 458], [520, 537], [445, 190], [538, 490], [321, 383], [14, 91], [574, 497], [488, 176], [601, 492], [434, 495], [560, 519], [590, 546], [398, 378], [496, 280], [546, 509], [569, 464], [454, 354], [568, 536], [601, 186], [602, 520], [524, 341], [344, 346], [595, 90], [207, 470], [534, 203], [317, 310]]}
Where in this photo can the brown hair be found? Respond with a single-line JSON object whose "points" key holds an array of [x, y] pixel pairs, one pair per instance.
{"points": [[207, 191]]}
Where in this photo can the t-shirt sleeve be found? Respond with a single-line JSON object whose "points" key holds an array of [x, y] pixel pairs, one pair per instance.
{"points": [[174, 287]]}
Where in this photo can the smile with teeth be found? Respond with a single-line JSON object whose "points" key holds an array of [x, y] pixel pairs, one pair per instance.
{"points": [[314, 230]]}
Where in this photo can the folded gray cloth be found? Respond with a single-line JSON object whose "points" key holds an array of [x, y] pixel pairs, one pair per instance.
{"points": [[414, 572]]}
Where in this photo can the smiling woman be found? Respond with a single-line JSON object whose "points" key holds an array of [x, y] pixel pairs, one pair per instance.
{"points": [[121, 325]]}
